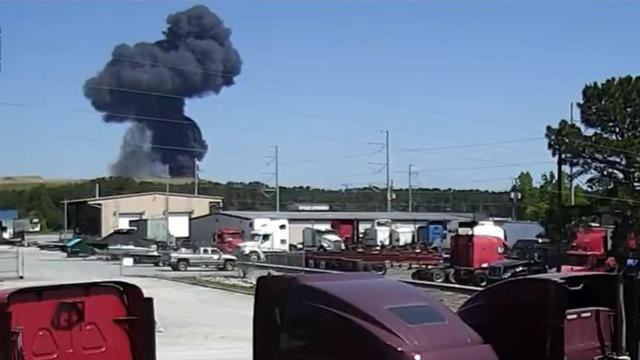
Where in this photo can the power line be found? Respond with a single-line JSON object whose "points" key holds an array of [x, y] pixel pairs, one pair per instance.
{"points": [[473, 145], [490, 167]]}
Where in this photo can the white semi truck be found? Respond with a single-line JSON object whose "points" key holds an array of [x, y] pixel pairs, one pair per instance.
{"points": [[266, 236], [384, 233]]}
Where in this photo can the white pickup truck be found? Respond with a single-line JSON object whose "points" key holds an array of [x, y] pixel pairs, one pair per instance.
{"points": [[204, 257]]}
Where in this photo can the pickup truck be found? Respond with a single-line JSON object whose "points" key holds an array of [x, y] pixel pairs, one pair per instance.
{"points": [[207, 257]]}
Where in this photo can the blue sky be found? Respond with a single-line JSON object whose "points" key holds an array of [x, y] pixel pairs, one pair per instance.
{"points": [[320, 80]]}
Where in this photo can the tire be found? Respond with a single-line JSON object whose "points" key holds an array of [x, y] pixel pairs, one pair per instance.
{"points": [[418, 274], [480, 279], [254, 256], [437, 275], [293, 248], [379, 269], [183, 265], [451, 277], [229, 265], [156, 264]]}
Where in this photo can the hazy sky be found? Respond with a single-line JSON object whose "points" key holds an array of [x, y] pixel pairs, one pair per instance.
{"points": [[321, 79]]}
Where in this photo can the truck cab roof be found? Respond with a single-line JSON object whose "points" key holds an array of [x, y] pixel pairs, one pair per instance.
{"points": [[397, 315]]}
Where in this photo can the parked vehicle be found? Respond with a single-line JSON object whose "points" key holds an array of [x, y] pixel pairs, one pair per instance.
{"points": [[383, 234], [588, 250], [204, 257], [379, 234], [356, 316], [432, 235], [526, 257], [573, 316], [268, 236], [473, 247], [321, 240], [95, 320], [345, 230], [226, 239]]}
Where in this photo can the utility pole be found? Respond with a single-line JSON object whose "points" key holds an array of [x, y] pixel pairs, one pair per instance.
{"points": [[386, 165], [571, 187], [65, 215], [515, 196], [386, 132], [277, 180], [411, 173], [195, 177]]}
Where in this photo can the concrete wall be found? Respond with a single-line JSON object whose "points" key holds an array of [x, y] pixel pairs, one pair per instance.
{"points": [[151, 206]]}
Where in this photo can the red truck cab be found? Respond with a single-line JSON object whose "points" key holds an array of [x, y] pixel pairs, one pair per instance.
{"points": [[588, 251], [474, 246], [226, 239], [99, 321]]}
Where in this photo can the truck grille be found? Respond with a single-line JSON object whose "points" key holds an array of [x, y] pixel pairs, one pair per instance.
{"points": [[495, 272]]}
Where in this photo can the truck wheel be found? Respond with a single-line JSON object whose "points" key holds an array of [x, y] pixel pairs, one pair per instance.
{"points": [[480, 279], [254, 256], [420, 274], [451, 277], [229, 265], [183, 265], [293, 248], [380, 269], [437, 275]]}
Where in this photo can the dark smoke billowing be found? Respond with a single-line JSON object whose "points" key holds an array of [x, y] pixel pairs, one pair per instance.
{"points": [[146, 84]]}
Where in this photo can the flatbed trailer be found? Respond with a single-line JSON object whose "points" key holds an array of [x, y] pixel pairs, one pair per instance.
{"points": [[371, 260]]}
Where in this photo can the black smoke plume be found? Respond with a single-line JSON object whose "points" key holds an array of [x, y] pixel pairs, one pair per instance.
{"points": [[146, 84]]}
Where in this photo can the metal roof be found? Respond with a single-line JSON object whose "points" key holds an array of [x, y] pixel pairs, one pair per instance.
{"points": [[8, 214], [123, 196], [348, 215]]}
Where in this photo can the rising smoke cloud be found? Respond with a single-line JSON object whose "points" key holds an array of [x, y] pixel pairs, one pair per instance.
{"points": [[146, 85]]}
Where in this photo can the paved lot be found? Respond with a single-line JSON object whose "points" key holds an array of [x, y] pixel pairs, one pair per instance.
{"points": [[197, 323]]}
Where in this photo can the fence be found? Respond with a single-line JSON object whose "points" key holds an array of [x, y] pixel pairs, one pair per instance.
{"points": [[11, 263]]}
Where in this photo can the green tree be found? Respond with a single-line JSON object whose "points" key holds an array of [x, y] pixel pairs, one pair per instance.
{"points": [[605, 148]]}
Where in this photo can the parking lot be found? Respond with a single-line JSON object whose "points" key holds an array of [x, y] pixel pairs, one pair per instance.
{"points": [[194, 322]]}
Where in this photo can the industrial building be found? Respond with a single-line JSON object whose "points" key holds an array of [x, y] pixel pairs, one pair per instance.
{"points": [[99, 216], [204, 227]]}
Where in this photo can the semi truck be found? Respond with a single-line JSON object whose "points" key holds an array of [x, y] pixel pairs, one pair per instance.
{"points": [[383, 233], [226, 239], [318, 239], [474, 246], [267, 236], [574, 316]]}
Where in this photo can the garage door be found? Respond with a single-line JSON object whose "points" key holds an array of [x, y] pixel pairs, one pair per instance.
{"points": [[124, 219], [179, 224]]}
